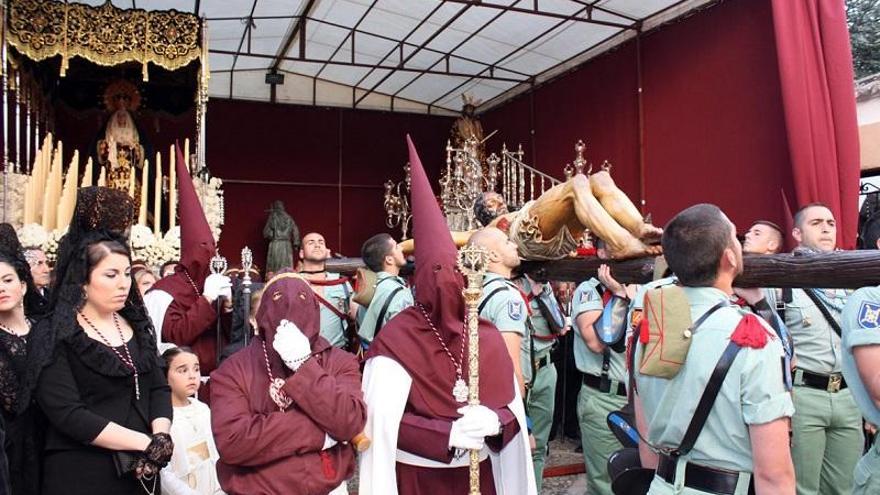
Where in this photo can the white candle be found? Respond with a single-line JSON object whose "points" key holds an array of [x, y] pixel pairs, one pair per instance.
{"points": [[186, 155], [157, 197], [172, 189], [87, 175], [142, 211]]}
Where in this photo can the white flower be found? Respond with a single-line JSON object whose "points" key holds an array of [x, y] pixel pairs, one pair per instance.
{"points": [[50, 247], [159, 252], [172, 237], [140, 237], [32, 234]]}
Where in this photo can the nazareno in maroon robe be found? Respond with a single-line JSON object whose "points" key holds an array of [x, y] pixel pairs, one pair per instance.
{"points": [[190, 320], [409, 340], [266, 451]]}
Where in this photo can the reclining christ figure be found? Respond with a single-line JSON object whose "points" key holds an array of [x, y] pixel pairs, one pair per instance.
{"points": [[549, 227]]}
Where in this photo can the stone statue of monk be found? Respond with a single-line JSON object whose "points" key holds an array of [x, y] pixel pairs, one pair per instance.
{"points": [[283, 236]]}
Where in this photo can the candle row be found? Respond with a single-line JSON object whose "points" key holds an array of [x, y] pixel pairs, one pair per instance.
{"points": [[50, 192]]}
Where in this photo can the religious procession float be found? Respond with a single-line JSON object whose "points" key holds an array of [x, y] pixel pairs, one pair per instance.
{"points": [[102, 96]]}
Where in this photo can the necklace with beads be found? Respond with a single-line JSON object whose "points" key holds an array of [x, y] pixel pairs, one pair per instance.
{"points": [[460, 389], [124, 357], [9, 330], [190, 280], [278, 396]]}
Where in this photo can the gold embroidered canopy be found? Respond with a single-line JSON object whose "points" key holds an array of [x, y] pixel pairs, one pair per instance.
{"points": [[104, 35]]}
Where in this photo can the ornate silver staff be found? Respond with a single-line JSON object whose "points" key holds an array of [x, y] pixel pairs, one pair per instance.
{"points": [[472, 261], [219, 265], [247, 261]]}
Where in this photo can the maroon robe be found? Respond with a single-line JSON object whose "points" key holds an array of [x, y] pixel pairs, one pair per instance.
{"points": [[411, 341], [264, 450], [191, 320]]}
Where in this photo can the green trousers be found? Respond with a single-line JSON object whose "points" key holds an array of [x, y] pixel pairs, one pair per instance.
{"points": [[827, 441], [866, 479], [598, 442], [542, 398]]}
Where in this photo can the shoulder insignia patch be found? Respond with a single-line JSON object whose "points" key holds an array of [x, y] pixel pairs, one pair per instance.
{"points": [[515, 310], [587, 295], [869, 315]]}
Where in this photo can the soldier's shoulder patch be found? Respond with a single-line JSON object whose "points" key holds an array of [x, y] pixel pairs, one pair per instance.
{"points": [[587, 296], [869, 315], [515, 310]]}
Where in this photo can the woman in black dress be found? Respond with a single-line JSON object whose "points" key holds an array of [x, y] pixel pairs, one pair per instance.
{"points": [[20, 305], [102, 389]]}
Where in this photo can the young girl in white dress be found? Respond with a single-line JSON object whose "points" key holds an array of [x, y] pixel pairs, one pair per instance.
{"points": [[192, 468]]}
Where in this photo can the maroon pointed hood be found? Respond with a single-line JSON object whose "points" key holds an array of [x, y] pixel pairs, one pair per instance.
{"points": [[437, 286], [437, 282], [289, 297], [197, 245]]}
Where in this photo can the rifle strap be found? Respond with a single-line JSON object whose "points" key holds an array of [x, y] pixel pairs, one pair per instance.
{"points": [[384, 310], [707, 400], [824, 310]]}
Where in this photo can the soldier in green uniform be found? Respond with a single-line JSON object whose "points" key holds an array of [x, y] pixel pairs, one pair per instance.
{"points": [[545, 323], [603, 389], [503, 304], [334, 293], [383, 255], [744, 440], [861, 368], [827, 428]]}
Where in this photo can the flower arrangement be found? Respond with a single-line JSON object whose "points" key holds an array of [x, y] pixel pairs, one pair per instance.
{"points": [[33, 235], [159, 252], [51, 245], [211, 196]]}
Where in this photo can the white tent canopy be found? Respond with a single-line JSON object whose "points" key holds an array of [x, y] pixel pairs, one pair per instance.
{"points": [[406, 55]]}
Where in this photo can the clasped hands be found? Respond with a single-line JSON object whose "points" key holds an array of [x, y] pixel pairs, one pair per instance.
{"points": [[155, 456], [469, 432]]}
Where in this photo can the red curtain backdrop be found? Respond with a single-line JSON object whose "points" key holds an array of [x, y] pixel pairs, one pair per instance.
{"points": [[714, 129], [816, 77], [328, 166]]}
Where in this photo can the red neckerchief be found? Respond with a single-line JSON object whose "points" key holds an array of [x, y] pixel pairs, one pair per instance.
{"points": [[324, 302]]}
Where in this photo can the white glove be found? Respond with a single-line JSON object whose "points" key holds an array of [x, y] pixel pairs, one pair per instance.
{"points": [[217, 285], [461, 439], [291, 344], [329, 442], [479, 420]]}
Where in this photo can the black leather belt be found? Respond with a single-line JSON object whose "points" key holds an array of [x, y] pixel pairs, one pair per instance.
{"points": [[596, 382], [830, 383], [702, 478], [544, 361]]}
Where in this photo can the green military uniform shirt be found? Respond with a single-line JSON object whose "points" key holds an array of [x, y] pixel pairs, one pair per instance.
{"points": [[540, 327], [505, 308], [586, 298], [387, 286], [752, 393], [861, 327], [816, 344], [332, 327]]}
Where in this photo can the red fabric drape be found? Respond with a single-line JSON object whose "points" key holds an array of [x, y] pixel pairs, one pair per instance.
{"points": [[816, 76]]}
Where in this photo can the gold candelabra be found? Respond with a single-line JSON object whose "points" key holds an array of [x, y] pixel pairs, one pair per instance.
{"points": [[397, 209], [472, 262], [462, 182]]}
